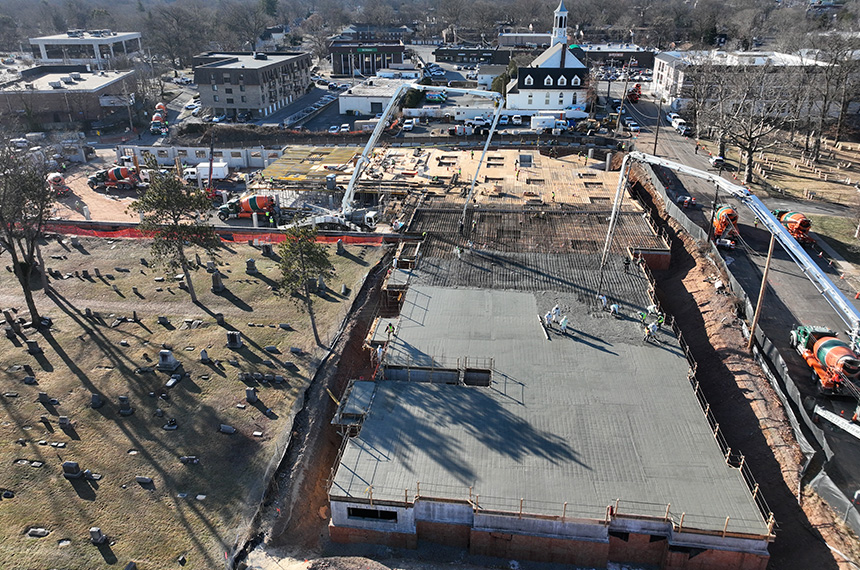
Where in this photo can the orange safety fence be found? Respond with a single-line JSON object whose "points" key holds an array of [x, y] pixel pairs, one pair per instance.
{"points": [[108, 230]]}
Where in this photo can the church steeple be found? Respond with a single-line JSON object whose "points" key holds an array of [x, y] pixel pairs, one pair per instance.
{"points": [[559, 25]]}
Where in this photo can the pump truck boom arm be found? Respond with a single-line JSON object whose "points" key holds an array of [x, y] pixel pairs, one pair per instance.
{"points": [[348, 196], [834, 297]]}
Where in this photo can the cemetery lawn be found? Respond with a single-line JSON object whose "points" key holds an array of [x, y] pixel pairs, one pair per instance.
{"points": [[198, 511]]}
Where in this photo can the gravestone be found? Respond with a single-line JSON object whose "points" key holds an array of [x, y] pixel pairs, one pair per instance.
{"points": [[97, 536], [85, 274], [43, 398], [189, 459], [115, 288], [64, 421], [285, 326], [166, 361], [143, 480], [250, 395], [251, 266], [343, 290], [210, 266], [96, 401], [30, 381], [134, 316], [10, 331], [125, 408], [134, 290], [219, 319], [197, 259], [38, 532], [271, 348], [234, 339], [174, 379], [340, 248], [71, 470], [321, 283], [98, 272], [267, 250], [224, 428], [163, 321], [204, 357], [75, 241], [171, 425], [217, 282], [33, 347], [88, 313], [143, 262]]}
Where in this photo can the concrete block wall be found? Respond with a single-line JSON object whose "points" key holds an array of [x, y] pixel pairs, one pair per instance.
{"points": [[539, 548], [349, 535], [405, 522]]}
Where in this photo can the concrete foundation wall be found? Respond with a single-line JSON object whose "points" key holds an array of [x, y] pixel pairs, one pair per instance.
{"points": [[405, 522], [713, 560], [457, 535], [348, 535], [441, 512], [539, 548], [555, 528], [637, 548]]}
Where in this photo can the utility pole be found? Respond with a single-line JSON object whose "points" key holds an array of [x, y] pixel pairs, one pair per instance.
{"points": [[657, 130], [761, 291]]}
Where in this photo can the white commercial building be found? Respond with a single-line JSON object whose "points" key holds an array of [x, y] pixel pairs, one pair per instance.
{"points": [[96, 47]]}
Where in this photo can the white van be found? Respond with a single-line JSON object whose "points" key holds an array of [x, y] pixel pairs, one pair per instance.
{"points": [[408, 124], [678, 123], [516, 120]]}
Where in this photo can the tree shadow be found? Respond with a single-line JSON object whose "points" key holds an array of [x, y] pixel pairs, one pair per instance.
{"points": [[228, 296]]}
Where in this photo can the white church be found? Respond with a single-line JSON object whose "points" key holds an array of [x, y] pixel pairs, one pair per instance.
{"points": [[555, 81]]}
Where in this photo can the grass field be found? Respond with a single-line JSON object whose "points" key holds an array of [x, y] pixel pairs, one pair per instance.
{"points": [[839, 233], [193, 510]]}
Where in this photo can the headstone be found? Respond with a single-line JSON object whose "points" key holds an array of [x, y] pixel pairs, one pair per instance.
{"points": [[98, 272], [97, 536], [217, 282], [251, 266], [295, 350], [115, 288], [85, 274], [343, 289], [271, 348], [143, 261], [189, 459], [143, 480], [134, 316], [234, 339], [88, 313], [197, 259], [171, 425], [321, 283], [96, 401], [224, 428], [134, 290], [267, 250], [64, 421], [29, 380], [71, 470], [210, 266], [10, 331], [33, 347], [166, 361], [285, 326], [38, 532], [43, 398], [340, 248], [219, 319], [75, 241], [159, 413], [204, 357], [163, 321], [250, 395], [125, 408], [174, 379]]}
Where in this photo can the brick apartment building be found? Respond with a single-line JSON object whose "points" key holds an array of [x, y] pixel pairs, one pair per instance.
{"points": [[232, 83]]}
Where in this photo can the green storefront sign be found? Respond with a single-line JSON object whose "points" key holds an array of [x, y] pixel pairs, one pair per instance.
{"points": [[366, 50]]}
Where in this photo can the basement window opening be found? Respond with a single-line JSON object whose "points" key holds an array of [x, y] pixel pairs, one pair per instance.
{"points": [[371, 514]]}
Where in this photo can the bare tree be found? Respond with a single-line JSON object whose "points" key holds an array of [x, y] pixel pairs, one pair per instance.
{"points": [[317, 35], [244, 22], [25, 205], [168, 28]]}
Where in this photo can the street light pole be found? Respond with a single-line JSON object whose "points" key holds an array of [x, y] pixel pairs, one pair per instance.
{"points": [[657, 130]]}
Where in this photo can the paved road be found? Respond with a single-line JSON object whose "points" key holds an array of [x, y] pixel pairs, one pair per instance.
{"points": [[791, 298]]}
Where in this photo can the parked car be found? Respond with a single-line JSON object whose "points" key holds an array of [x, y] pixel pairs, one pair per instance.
{"points": [[332, 86], [219, 118], [686, 131], [192, 105], [504, 120], [334, 129], [717, 161], [196, 112], [408, 124], [516, 120], [344, 128], [633, 127], [671, 117]]}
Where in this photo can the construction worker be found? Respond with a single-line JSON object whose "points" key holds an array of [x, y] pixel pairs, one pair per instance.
{"points": [[563, 324], [603, 301], [661, 318], [548, 319], [626, 265], [613, 310], [556, 313], [389, 330], [642, 316], [647, 335]]}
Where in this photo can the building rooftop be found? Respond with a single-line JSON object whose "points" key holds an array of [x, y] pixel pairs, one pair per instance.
{"points": [[585, 419], [81, 81], [86, 37], [739, 58], [244, 60], [376, 87]]}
